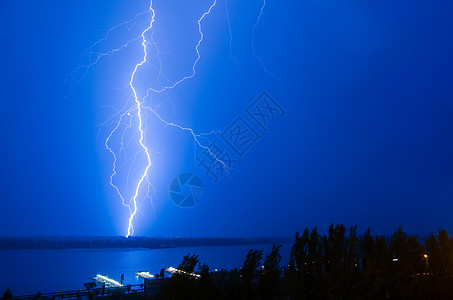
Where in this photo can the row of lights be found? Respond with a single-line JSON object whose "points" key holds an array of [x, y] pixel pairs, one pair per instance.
{"points": [[108, 281], [144, 275], [176, 271]]}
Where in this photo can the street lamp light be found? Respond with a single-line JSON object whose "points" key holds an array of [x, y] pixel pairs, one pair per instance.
{"points": [[426, 262]]}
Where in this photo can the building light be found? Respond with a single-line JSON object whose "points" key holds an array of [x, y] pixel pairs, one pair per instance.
{"points": [[176, 271], [144, 275], [107, 281], [395, 259]]}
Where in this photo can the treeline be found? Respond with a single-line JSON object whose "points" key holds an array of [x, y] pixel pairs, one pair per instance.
{"points": [[15, 243], [338, 265]]}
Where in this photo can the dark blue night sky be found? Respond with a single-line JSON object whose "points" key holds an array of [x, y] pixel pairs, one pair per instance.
{"points": [[365, 138]]}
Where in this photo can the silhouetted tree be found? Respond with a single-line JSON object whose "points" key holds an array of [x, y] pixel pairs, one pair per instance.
{"points": [[7, 295], [335, 248], [188, 263], [181, 286], [408, 255], [249, 270], [270, 275], [438, 261], [339, 265], [204, 286]]}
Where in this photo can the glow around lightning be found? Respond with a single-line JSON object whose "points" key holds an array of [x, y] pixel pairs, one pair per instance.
{"points": [[139, 107], [135, 108], [133, 211]]}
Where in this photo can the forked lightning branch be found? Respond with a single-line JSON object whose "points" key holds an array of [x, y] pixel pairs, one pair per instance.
{"points": [[133, 115]]}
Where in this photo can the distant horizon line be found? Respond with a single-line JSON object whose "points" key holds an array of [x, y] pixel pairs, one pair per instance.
{"points": [[144, 236]]}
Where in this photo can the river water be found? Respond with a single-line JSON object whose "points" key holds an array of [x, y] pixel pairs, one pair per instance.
{"points": [[32, 271]]}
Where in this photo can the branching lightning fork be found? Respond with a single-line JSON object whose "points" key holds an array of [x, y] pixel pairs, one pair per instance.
{"points": [[139, 106], [137, 110], [263, 6], [122, 121]]}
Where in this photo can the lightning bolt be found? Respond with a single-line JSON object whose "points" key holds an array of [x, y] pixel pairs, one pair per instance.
{"points": [[93, 57], [196, 61], [135, 107], [133, 211], [139, 108], [231, 36], [263, 6]]}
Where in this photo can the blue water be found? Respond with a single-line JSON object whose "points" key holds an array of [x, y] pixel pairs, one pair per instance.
{"points": [[32, 271]]}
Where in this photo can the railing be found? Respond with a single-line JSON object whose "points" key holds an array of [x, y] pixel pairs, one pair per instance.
{"points": [[78, 294]]}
